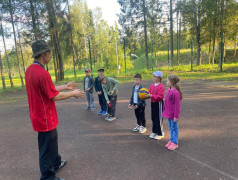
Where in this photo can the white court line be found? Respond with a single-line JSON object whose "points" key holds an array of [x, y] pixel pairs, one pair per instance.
{"points": [[206, 165], [196, 161]]}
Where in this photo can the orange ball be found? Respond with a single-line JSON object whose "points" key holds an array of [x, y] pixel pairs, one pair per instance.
{"points": [[142, 93]]}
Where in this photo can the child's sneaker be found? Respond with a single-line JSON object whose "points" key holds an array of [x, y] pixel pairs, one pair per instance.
{"points": [[110, 118], [87, 108], [157, 137], [168, 144], [172, 146], [93, 109], [104, 113], [100, 112], [137, 128], [108, 115], [152, 136], [142, 130]]}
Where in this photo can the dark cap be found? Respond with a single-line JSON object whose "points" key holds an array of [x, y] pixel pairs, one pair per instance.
{"points": [[101, 69], [39, 47]]}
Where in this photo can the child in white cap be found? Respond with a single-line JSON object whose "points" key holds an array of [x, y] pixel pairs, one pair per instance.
{"points": [[156, 94]]}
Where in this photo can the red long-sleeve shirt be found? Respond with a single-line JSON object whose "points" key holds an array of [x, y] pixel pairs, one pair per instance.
{"points": [[157, 92]]}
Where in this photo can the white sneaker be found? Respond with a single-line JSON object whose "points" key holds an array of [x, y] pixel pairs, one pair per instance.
{"points": [[142, 130], [159, 137], [152, 136], [137, 128]]}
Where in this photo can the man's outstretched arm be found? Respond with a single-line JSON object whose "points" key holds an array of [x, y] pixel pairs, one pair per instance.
{"points": [[69, 86], [65, 95]]}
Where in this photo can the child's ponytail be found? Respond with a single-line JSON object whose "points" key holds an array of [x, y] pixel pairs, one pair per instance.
{"points": [[174, 80], [178, 88]]}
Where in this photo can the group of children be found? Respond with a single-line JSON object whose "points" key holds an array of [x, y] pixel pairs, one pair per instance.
{"points": [[107, 91], [169, 109]]}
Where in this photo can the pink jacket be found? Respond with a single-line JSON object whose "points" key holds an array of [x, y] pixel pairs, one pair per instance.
{"points": [[157, 92], [172, 105]]}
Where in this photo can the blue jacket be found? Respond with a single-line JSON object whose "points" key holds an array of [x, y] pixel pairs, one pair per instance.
{"points": [[90, 84], [98, 85], [141, 102]]}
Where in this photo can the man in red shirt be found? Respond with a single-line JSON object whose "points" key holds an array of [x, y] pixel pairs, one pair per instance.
{"points": [[41, 94]]}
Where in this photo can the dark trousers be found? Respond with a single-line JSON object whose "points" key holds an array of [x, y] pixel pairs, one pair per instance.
{"points": [[112, 109], [156, 116], [48, 154], [140, 115], [102, 102]]}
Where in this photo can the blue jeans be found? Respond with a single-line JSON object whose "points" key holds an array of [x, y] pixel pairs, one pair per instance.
{"points": [[174, 131], [90, 100]]}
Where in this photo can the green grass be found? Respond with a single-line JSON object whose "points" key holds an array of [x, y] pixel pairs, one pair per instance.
{"points": [[206, 71]]}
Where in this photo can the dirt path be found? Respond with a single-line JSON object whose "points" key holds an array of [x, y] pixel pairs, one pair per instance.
{"points": [[97, 149]]}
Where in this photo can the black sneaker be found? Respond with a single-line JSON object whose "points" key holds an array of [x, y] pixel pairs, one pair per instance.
{"points": [[63, 163]]}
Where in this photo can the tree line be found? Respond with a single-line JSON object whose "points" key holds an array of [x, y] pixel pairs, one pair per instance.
{"points": [[80, 37], [207, 23]]}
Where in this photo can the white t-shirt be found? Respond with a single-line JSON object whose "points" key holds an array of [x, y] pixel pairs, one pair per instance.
{"points": [[156, 84], [136, 94]]}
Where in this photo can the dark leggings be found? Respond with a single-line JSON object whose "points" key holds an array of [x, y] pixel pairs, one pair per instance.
{"points": [[156, 116]]}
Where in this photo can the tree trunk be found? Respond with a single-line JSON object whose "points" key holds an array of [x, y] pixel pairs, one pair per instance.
{"points": [[214, 37], [235, 49], [213, 46], [222, 36], [179, 39], [53, 28], [171, 33], [177, 35], [180, 19], [33, 20], [2, 73], [210, 41], [8, 63], [224, 53], [145, 32], [19, 38], [15, 39], [72, 40], [55, 67], [197, 25]]}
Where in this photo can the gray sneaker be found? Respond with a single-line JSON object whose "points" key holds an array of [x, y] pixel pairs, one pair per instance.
{"points": [[142, 130], [93, 109], [110, 118], [137, 128]]}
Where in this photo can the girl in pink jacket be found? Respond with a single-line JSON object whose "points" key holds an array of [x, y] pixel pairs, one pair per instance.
{"points": [[172, 107], [156, 94]]}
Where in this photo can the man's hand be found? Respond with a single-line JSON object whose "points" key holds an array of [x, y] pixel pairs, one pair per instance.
{"points": [[77, 93], [148, 96], [88, 89], [112, 91], [129, 106], [176, 119], [99, 92], [108, 102], [71, 86]]}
